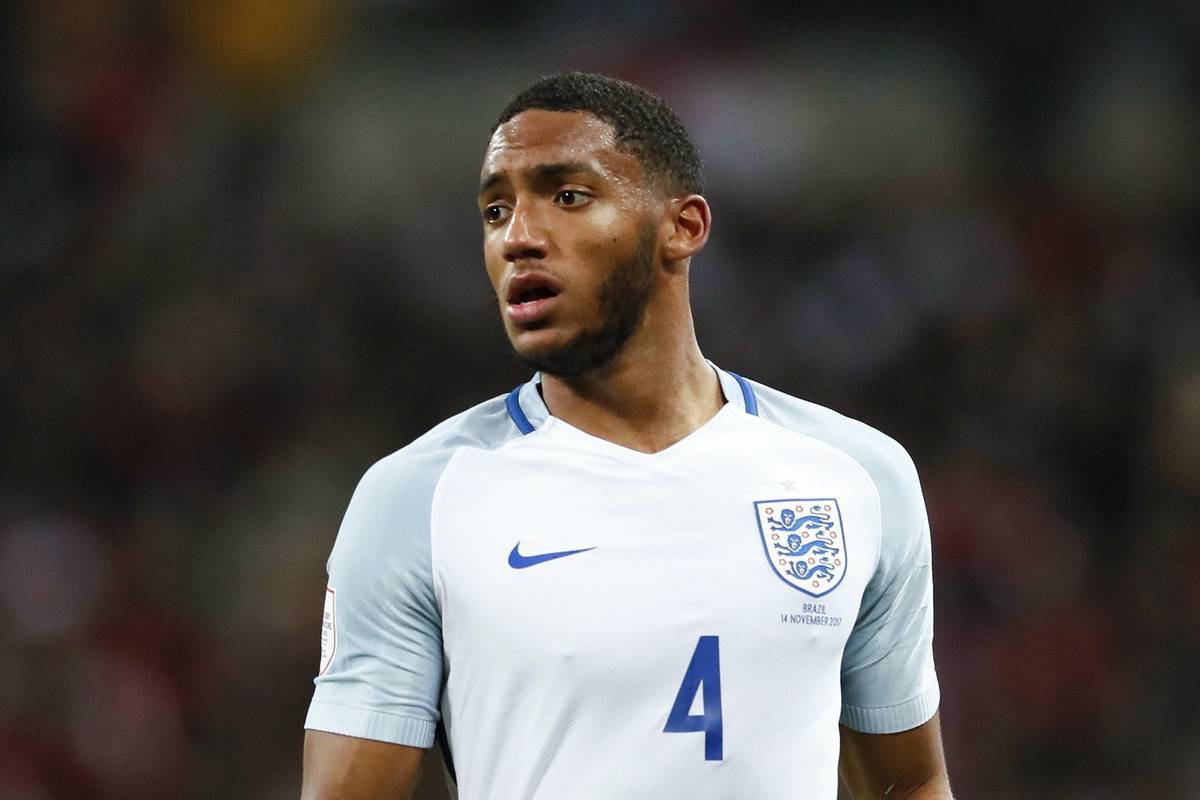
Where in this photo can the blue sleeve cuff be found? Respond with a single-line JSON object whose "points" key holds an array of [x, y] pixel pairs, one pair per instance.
{"points": [[367, 724]]}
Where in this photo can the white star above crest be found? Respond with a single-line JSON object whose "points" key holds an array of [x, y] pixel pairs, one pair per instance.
{"points": [[788, 485]]}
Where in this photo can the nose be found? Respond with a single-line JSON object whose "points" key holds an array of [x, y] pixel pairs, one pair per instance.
{"points": [[525, 236]]}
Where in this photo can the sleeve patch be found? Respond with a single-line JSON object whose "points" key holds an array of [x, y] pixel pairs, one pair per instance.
{"points": [[328, 630]]}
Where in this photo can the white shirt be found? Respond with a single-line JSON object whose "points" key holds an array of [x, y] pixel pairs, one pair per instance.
{"points": [[589, 621]]}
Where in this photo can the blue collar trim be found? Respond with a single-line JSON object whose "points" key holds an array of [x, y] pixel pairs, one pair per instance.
{"points": [[513, 404], [747, 394]]}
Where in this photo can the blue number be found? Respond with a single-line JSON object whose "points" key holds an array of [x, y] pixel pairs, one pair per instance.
{"points": [[704, 670]]}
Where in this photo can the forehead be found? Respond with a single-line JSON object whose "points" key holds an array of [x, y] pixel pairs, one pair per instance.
{"points": [[538, 136]]}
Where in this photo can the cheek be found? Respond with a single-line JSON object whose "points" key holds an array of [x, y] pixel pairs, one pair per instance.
{"points": [[494, 265], [606, 241], [607, 224]]}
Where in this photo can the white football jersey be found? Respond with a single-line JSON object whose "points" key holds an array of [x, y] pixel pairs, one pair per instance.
{"points": [[589, 621]]}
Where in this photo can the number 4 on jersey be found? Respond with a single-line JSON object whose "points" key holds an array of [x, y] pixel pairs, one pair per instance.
{"points": [[703, 671]]}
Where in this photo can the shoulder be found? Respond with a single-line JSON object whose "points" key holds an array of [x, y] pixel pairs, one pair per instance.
{"points": [[904, 532], [882, 457], [396, 491], [485, 426]]}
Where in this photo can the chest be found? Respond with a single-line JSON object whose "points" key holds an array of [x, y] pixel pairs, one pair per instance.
{"points": [[567, 553]]}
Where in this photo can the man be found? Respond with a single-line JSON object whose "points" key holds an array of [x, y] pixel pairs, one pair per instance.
{"points": [[637, 575]]}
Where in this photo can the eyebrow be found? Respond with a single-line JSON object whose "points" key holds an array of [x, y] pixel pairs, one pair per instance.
{"points": [[542, 173]]}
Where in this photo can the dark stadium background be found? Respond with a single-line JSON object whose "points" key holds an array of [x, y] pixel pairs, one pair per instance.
{"points": [[239, 262]]}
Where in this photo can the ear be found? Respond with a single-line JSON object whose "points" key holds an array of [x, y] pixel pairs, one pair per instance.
{"points": [[689, 220]]}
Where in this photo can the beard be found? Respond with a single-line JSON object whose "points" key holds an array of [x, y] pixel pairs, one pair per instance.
{"points": [[622, 297]]}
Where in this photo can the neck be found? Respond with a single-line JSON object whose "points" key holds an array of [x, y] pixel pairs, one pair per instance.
{"points": [[655, 392]]}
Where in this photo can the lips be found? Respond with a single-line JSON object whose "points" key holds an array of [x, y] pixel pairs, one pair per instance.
{"points": [[530, 297]]}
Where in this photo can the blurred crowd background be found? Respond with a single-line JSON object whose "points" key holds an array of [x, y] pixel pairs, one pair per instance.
{"points": [[239, 262]]}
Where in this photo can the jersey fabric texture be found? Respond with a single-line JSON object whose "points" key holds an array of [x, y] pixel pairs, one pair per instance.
{"points": [[589, 621]]}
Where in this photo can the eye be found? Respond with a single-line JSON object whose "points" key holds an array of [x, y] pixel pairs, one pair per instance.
{"points": [[495, 213], [572, 198]]}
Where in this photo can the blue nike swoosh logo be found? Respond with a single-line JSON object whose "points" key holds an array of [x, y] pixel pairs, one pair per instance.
{"points": [[518, 561]]}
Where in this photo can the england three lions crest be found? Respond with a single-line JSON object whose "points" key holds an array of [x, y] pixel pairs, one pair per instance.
{"points": [[804, 542]]}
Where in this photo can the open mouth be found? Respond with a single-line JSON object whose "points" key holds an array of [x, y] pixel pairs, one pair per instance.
{"points": [[529, 288], [532, 294], [530, 298]]}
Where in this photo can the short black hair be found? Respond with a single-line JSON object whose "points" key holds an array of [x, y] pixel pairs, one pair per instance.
{"points": [[645, 126]]}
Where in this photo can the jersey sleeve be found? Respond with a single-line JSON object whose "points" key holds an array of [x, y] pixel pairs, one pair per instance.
{"points": [[381, 665], [888, 679]]}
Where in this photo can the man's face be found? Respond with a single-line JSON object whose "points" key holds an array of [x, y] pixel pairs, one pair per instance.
{"points": [[569, 239]]}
